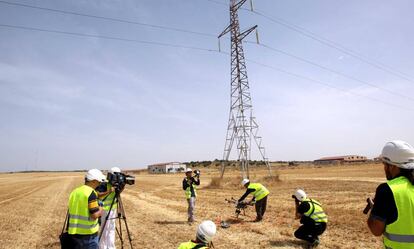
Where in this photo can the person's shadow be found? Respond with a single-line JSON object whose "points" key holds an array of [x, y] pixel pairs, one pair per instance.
{"points": [[284, 243]]}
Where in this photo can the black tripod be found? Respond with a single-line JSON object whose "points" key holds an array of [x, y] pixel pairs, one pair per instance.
{"points": [[120, 217]]}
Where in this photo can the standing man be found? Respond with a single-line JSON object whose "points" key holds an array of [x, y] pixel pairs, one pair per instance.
{"points": [[205, 233], [84, 212], [260, 194], [189, 186], [106, 194], [312, 217], [392, 214]]}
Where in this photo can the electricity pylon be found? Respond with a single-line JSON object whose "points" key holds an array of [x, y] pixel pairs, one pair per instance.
{"points": [[242, 126]]}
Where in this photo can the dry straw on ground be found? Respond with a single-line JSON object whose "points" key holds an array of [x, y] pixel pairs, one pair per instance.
{"points": [[34, 207]]}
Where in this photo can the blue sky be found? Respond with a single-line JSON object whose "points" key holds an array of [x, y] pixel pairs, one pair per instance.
{"points": [[70, 102]]}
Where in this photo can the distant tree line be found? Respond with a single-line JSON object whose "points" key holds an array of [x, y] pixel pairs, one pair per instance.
{"points": [[217, 163]]}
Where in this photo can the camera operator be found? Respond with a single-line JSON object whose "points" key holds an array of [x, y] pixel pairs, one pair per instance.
{"points": [[84, 212], [106, 193], [312, 217], [189, 186]]}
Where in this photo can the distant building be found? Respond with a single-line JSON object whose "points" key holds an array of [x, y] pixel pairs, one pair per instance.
{"points": [[164, 168], [340, 159]]}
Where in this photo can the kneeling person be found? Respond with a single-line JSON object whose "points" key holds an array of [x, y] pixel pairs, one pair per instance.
{"points": [[205, 233], [312, 217]]}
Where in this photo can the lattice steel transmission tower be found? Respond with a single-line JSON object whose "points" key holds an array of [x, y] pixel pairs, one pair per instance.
{"points": [[242, 126]]}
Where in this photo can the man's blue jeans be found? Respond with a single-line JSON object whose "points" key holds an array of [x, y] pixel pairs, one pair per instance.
{"points": [[87, 242]]}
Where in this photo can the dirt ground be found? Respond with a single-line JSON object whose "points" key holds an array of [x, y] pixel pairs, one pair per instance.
{"points": [[33, 208]]}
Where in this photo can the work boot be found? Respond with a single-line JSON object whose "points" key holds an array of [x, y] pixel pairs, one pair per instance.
{"points": [[258, 219], [314, 244]]}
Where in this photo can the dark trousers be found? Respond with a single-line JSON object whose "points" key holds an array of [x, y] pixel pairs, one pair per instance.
{"points": [[310, 232], [85, 242], [260, 208]]}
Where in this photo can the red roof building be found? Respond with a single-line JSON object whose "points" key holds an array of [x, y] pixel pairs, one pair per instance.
{"points": [[341, 159]]}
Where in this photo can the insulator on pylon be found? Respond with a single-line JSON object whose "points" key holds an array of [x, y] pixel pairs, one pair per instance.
{"points": [[257, 36], [219, 47], [251, 5]]}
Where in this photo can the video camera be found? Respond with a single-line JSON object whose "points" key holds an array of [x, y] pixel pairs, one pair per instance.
{"points": [[196, 172], [118, 180]]}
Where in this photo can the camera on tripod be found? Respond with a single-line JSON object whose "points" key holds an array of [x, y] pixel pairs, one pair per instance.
{"points": [[118, 180]]}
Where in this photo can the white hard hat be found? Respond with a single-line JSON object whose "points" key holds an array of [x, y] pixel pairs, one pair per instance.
{"points": [[206, 231], [188, 170], [300, 195], [245, 181], [115, 170], [95, 174], [398, 153]]}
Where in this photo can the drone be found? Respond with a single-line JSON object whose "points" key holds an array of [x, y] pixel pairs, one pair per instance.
{"points": [[240, 206]]}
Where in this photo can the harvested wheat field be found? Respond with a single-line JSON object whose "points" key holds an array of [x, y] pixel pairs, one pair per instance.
{"points": [[34, 207]]}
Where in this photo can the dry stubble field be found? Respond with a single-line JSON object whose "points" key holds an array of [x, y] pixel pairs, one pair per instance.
{"points": [[33, 206]]}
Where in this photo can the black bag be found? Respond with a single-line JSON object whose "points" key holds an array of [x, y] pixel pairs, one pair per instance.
{"points": [[66, 241]]}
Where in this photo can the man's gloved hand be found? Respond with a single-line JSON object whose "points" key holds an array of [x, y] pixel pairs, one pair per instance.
{"points": [[100, 203]]}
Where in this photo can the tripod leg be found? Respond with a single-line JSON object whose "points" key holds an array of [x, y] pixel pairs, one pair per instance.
{"points": [[122, 210], [129, 236], [121, 238]]}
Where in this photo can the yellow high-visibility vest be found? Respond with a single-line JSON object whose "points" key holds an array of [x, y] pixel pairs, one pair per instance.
{"points": [[79, 219], [107, 200], [260, 191], [400, 234], [315, 211], [188, 191], [191, 245]]}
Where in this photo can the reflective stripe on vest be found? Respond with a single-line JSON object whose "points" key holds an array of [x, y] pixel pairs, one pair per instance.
{"points": [[71, 225], [315, 211], [260, 191], [188, 191], [400, 238], [79, 220], [400, 234], [79, 217]]}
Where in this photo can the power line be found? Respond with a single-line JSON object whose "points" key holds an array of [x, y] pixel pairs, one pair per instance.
{"points": [[279, 21], [329, 85], [109, 19], [379, 65], [106, 37], [333, 71], [218, 2], [200, 49]]}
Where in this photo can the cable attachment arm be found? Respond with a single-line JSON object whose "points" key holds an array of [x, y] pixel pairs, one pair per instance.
{"points": [[226, 30], [237, 6], [246, 33]]}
